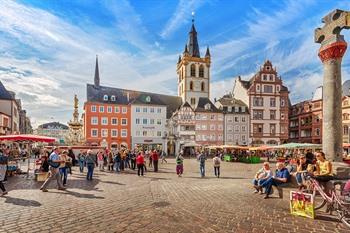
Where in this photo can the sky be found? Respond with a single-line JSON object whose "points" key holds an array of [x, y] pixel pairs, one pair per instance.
{"points": [[48, 48]]}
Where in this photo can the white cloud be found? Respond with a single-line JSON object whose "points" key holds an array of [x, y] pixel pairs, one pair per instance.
{"points": [[181, 16]]}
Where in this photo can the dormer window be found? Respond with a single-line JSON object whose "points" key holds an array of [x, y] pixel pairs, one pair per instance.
{"points": [[207, 106], [148, 99], [105, 97], [113, 98]]}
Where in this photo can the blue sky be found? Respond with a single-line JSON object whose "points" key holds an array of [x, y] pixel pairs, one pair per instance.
{"points": [[48, 48]]}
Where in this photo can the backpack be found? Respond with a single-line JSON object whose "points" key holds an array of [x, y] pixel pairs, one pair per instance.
{"points": [[216, 161]]}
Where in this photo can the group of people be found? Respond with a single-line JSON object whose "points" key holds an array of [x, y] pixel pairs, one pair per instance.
{"points": [[306, 165]]}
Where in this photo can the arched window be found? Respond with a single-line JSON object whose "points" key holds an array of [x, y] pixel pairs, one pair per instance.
{"points": [[202, 86], [201, 71], [191, 86], [193, 70], [105, 97]]}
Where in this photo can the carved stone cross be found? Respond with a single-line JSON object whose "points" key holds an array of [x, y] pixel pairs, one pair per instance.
{"points": [[333, 47]]}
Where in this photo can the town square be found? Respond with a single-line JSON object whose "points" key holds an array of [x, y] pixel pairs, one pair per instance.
{"points": [[174, 116]]}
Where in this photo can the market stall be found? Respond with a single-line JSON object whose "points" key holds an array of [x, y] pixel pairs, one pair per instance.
{"points": [[27, 139]]}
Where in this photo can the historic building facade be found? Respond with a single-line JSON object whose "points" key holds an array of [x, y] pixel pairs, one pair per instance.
{"points": [[268, 102], [54, 130], [236, 120], [148, 122], [9, 110]]}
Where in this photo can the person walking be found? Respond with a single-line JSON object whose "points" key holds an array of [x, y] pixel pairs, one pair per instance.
{"points": [[110, 163], [155, 158], [133, 160], [81, 159], [63, 168], [149, 156], [163, 154], [140, 160], [100, 161], [179, 165], [3, 169], [90, 164], [201, 159], [54, 161], [117, 161], [216, 162]]}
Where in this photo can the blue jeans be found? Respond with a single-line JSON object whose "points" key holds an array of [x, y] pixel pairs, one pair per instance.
{"points": [[117, 167], [81, 166], [202, 169], [90, 172], [63, 172], [267, 184]]}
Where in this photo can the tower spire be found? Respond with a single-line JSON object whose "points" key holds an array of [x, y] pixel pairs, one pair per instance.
{"points": [[193, 47], [97, 74]]}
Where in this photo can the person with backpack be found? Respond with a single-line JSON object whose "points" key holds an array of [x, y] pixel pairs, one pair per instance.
{"points": [[54, 162], [90, 161], [216, 162], [201, 159]]}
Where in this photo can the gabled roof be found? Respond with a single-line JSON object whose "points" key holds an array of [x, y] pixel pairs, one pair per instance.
{"points": [[125, 97], [202, 102], [230, 101], [5, 94]]}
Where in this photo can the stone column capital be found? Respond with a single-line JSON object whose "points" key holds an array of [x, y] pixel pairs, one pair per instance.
{"points": [[334, 50]]}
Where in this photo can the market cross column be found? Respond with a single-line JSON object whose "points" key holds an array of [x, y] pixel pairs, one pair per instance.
{"points": [[333, 47]]}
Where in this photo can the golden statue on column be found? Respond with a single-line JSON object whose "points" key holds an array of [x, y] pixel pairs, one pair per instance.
{"points": [[76, 134]]}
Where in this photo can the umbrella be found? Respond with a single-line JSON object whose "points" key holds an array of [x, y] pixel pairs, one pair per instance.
{"points": [[26, 137]]}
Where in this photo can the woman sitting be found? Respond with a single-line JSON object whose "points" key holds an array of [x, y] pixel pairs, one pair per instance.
{"points": [[263, 174], [324, 172], [302, 170]]}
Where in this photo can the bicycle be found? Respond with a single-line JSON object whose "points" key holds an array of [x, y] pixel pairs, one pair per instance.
{"points": [[335, 200]]}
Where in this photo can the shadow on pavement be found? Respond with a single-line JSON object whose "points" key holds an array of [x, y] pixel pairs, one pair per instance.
{"points": [[212, 177], [112, 182], [22, 202], [79, 195], [327, 218]]}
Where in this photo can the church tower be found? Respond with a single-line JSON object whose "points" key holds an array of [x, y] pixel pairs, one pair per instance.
{"points": [[193, 71]]}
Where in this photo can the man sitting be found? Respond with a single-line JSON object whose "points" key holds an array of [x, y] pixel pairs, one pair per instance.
{"points": [[281, 177]]}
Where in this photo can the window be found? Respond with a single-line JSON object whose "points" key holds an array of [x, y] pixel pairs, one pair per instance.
{"points": [[144, 109], [258, 101], [159, 121], [159, 133], [237, 128], [138, 109], [282, 116], [272, 102], [198, 127], [258, 128], [219, 127], [193, 70], [271, 77], [282, 102], [124, 133], [105, 97], [236, 119], [148, 99], [114, 133], [114, 121], [93, 108], [212, 127], [102, 109], [243, 128], [191, 85], [272, 114], [236, 109], [94, 133], [265, 77], [124, 121], [212, 117], [318, 131], [151, 121], [204, 127], [201, 71], [145, 121], [124, 110], [94, 120], [272, 129], [277, 88], [220, 118], [104, 133], [151, 110], [104, 121], [113, 98], [144, 133], [268, 89], [137, 121], [138, 133], [243, 119], [258, 114], [116, 109], [193, 101], [243, 138], [109, 109], [159, 110], [257, 87], [202, 86]]}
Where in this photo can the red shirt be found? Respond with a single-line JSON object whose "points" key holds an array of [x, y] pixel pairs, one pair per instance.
{"points": [[155, 156], [140, 160]]}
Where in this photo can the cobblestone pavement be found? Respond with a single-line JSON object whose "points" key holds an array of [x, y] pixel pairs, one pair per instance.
{"points": [[158, 202]]}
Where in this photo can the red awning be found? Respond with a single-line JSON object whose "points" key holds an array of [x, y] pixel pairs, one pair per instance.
{"points": [[26, 137]]}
